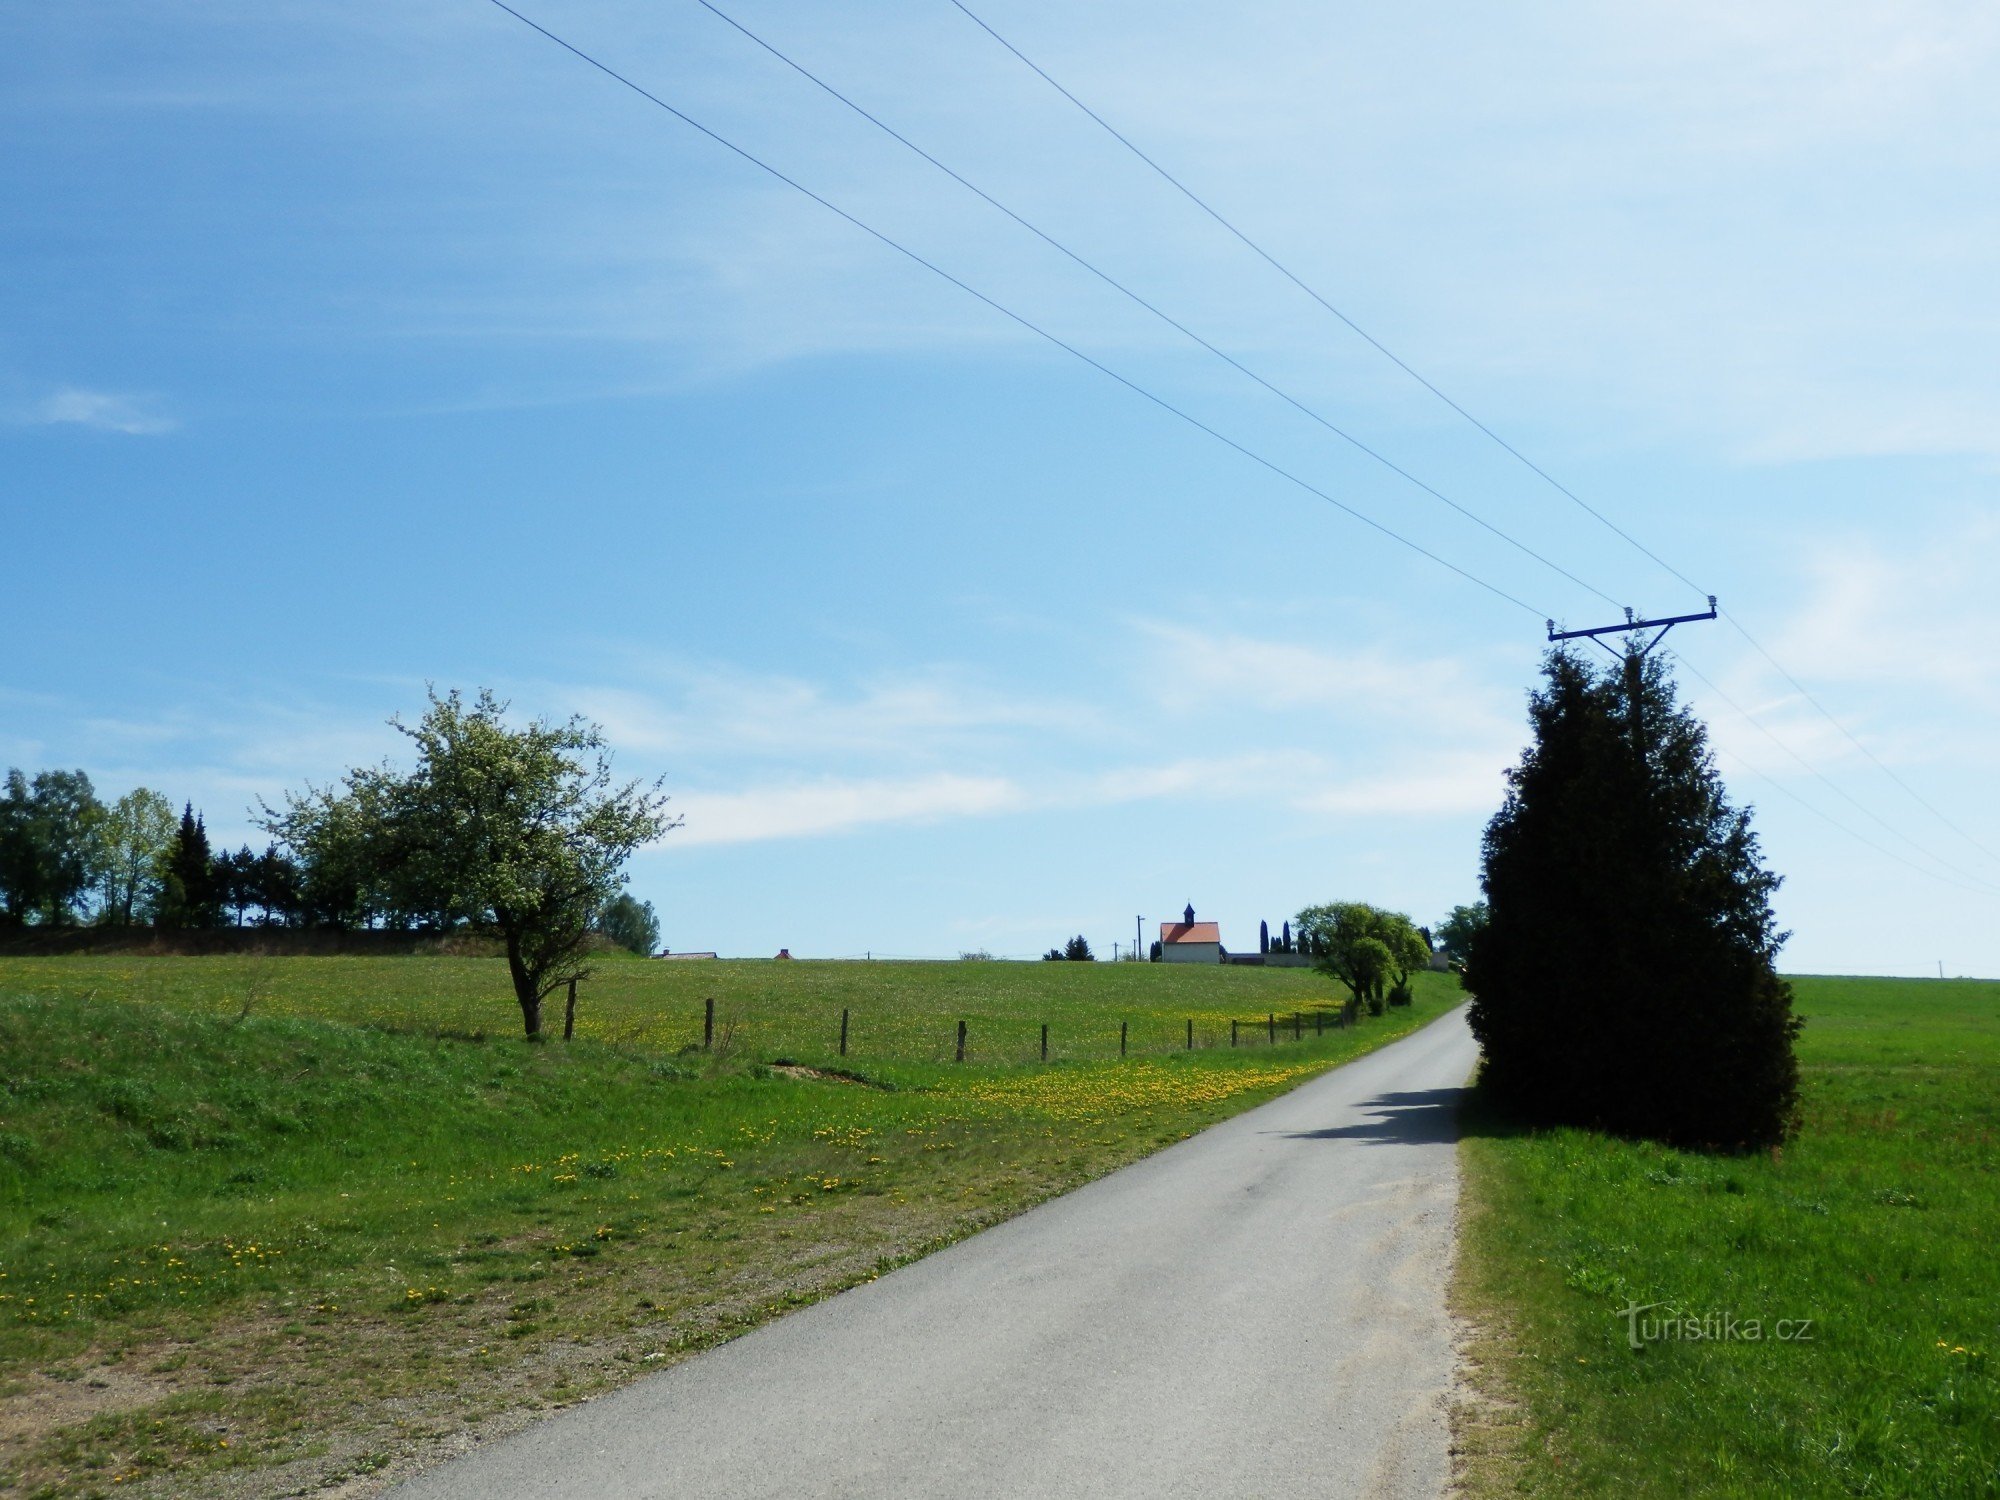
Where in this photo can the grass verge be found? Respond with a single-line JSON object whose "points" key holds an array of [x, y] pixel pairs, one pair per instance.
{"points": [[245, 1250], [1819, 1320]]}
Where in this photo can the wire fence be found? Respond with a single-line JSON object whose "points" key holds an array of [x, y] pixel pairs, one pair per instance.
{"points": [[999, 1040]]}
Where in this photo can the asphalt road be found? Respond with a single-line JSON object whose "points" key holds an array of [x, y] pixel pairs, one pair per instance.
{"points": [[1256, 1312]]}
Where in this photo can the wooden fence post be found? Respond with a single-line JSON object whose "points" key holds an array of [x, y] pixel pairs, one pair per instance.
{"points": [[843, 1031], [1271, 1028], [1319, 1023], [1121, 1037], [961, 1043], [708, 1024], [1232, 1033], [1190, 1045], [1045, 1041], [569, 1013], [1298, 1026]]}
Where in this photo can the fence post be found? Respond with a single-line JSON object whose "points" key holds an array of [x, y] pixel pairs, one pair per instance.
{"points": [[961, 1043], [1190, 1045], [1232, 1033], [1298, 1026], [1045, 1041], [569, 1013], [1319, 1023], [708, 1024], [843, 1031], [1121, 1037], [1271, 1028]]}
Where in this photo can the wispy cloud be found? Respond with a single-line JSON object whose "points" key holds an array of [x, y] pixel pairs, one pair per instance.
{"points": [[818, 808], [102, 411]]}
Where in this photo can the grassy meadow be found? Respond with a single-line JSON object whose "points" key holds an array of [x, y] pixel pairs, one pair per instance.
{"points": [[1876, 1228], [270, 1226], [899, 1012]]}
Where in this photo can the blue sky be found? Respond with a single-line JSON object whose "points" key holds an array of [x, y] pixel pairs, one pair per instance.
{"points": [[344, 349]]}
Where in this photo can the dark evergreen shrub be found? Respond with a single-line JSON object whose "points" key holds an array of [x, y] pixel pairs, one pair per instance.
{"points": [[1624, 978]]}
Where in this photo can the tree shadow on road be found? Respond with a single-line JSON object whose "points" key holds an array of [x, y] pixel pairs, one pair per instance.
{"points": [[1416, 1117]]}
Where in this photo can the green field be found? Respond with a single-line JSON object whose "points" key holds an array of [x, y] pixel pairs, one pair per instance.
{"points": [[1878, 1224], [268, 1225], [899, 1012]]}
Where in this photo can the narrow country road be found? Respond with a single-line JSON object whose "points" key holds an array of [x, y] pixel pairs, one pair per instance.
{"points": [[1255, 1312]]}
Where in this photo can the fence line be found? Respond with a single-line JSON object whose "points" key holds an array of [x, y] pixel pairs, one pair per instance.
{"points": [[1271, 1030]]}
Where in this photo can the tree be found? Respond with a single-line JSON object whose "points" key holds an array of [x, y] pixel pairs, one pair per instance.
{"points": [[1077, 950], [1285, 942], [1153, 953], [1625, 976], [519, 830], [631, 923], [1455, 932], [236, 881], [138, 831], [51, 840], [1363, 946], [1263, 937], [188, 895], [279, 888], [1409, 951]]}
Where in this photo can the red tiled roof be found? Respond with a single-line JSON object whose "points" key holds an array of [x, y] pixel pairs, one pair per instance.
{"points": [[1190, 932]]}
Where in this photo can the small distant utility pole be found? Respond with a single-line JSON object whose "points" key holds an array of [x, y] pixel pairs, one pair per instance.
{"points": [[1138, 931], [1634, 656]]}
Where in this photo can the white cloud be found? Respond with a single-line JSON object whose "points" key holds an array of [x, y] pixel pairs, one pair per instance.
{"points": [[818, 808], [103, 411], [713, 711], [1434, 786]]}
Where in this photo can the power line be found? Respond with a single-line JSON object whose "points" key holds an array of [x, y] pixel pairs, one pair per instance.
{"points": [[1165, 317], [1285, 271], [1010, 314], [1828, 716], [1977, 885], [1826, 817]]}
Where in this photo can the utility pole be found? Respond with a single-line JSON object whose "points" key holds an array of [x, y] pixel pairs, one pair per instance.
{"points": [[1138, 931], [1634, 658]]}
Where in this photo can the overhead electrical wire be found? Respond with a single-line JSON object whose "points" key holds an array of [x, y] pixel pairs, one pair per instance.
{"points": [[1915, 796], [1011, 315], [1285, 271], [1165, 317], [1965, 880], [1242, 449]]}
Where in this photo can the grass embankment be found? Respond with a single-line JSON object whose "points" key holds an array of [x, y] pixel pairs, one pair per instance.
{"points": [[262, 1253], [1878, 1224]]}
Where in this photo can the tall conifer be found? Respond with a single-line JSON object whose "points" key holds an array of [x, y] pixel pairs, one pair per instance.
{"points": [[1625, 977]]}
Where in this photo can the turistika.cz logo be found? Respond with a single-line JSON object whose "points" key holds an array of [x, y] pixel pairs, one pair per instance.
{"points": [[1709, 1328]]}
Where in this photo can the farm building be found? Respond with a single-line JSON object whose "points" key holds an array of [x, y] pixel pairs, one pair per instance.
{"points": [[1190, 942]]}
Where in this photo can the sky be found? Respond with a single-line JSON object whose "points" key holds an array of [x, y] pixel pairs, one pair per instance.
{"points": [[350, 350]]}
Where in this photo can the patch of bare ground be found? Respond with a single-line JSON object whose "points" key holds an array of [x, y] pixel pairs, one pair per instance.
{"points": [[329, 1401], [1488, 1426]]}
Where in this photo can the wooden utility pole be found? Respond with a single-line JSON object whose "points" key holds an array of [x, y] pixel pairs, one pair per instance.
{"points": [[1634, 659]]}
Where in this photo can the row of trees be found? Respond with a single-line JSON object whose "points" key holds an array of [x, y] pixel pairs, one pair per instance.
{"points": [[67, 857]]}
